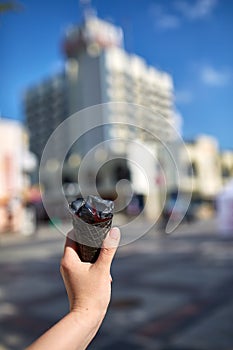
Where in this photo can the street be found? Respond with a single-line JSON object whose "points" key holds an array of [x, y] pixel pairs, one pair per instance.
{"points": [[170, 292]]}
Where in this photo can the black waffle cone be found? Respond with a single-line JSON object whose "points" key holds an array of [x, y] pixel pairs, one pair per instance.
{"points": [[89, 237]]}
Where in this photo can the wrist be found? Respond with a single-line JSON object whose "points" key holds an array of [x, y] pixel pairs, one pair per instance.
{"points": [[88, 317], [82, 326]]}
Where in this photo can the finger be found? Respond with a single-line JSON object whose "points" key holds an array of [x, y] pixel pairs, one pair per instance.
{"points": [[109, 248]]}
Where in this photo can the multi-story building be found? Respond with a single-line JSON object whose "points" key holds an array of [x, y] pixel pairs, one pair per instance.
{"points": [[99, 71], [227, 166], [205, 167], [16, 163], [45, 106]]}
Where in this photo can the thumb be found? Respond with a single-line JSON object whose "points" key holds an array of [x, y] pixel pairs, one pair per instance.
{"points": [[109, 248]]}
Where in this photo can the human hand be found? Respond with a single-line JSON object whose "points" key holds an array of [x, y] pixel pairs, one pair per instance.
{"points": [[89, 285]]}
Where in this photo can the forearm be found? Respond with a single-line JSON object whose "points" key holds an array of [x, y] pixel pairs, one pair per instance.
{"points": [[89, 289], [73, 332]]}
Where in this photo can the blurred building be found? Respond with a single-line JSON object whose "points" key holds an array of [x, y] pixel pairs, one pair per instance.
{"points": [[227, 166], [204, 167], [46, 106], [97, 71], [16, 163], [100, 71]]}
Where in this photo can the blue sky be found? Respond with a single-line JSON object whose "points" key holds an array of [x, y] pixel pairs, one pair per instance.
{"points": [[190, 39]]}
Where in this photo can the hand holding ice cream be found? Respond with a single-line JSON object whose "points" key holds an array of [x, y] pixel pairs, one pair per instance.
{"points": [[89, 285]]}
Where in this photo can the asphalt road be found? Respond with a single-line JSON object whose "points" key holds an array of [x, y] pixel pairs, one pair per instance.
{"points": [[169, 292]]}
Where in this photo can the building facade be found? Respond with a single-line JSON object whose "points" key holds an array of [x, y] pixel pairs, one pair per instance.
{"points": [[226, 166], [16, 163], [45, 106], [205, 167], [98, 71]]}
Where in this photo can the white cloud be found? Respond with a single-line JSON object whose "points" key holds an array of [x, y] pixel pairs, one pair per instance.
{"points": [[163, 19], [215, 77], [192, 10], [183, 96], [166, 21], [196, 10]]}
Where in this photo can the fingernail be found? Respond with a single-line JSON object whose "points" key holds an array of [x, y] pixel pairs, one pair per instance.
{"points": [[114, 233]]}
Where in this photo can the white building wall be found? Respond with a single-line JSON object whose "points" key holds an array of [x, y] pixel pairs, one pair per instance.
{"points": [[205, 158], [11, 158], [128, 78]]}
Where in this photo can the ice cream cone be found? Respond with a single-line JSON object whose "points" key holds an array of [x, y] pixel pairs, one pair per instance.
{"points": [[92, 221]]}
